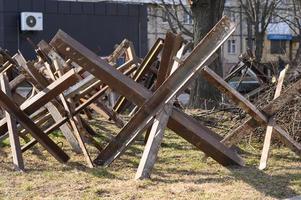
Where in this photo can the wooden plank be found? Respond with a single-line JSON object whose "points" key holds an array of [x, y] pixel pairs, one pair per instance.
{"points": [[64, 119], [241, 101], [273, 106], [35, 131], [197, 134], [153, 144], [167, 90], [143, 69], [50, 92], [43, 97], [269, 130], [74, 120], [172, 43], [13, 84], [53, 107], [12, 128]]}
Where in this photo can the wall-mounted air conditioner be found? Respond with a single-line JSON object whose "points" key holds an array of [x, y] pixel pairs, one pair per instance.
{"points": [[31, 21]]}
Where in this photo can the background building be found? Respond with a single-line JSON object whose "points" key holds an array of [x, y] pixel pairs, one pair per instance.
{"points": [[98, 25]]}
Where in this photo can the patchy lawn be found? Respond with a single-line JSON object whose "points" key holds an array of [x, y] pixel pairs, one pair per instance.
{"points": [[180, 173]]}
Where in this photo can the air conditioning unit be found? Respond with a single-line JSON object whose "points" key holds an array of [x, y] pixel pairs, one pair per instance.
{"points": [[31, 21]]}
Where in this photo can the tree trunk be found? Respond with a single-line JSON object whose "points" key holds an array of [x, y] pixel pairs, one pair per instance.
{"points": [[206, 13], [259, 43], [250, 35]]}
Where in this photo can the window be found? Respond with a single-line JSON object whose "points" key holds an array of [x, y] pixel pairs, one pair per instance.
{"points": [[187, 18], [231, 46], [278, 46], [232, 16], [164, 16]]}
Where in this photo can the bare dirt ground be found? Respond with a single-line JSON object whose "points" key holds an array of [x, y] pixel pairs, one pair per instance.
{"points": [[180, 173]]}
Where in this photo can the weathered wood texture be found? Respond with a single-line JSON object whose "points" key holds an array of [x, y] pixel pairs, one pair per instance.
{"points": [[53, 107], [153, 144], [192, 131], [241, 101], [35, 131], [12, 128], [269, 130], [143, 69]]}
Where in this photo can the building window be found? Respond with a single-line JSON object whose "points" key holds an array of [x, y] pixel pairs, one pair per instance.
{"points": [[187, 18], [231, 46], [278, 46], [164, 16], [232, 16]]}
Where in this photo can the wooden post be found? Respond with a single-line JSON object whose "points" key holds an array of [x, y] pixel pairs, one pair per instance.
{"points": [[260, 117], [74, 119], [42, 83], [169, 89], [35, 131], [12, 128], [184, 125], [268, 133], [153, 144]]}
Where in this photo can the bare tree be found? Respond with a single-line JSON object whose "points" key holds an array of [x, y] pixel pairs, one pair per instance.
{"points": [[259, 14], [174, 10], [293, 19], [205, 14]]}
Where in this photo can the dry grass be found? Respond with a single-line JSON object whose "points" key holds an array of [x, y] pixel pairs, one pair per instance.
{"points": [[180, 173]]}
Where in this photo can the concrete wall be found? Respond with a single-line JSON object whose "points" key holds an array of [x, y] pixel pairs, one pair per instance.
{"points": [[99, 25]]}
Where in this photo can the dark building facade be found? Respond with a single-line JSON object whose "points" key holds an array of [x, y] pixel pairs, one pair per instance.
{"points": [[98, 25]]}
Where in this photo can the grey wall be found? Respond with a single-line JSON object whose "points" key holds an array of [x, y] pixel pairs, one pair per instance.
{"points": [[99, 25]]}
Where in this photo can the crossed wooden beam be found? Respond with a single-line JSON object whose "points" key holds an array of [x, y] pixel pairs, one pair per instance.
{"points": [[258, 118], [151, 104], [60, 111], [68, 73]]}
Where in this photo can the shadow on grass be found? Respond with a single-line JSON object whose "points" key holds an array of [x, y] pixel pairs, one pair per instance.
{"points": [[274, 186], [99, 172]]}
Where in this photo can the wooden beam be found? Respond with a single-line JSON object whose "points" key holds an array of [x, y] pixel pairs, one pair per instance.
{"points": [[196, 134], [269, 130], [143, 69], [74, 120], [172, 43], [43, 97], [260, 117], [153, 144], [53, 107], [12, 128], [35, 131], [167, 91]]}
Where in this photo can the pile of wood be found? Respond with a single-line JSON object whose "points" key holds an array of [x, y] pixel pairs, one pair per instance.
{"points": [[288, 116], [68, 80]]}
